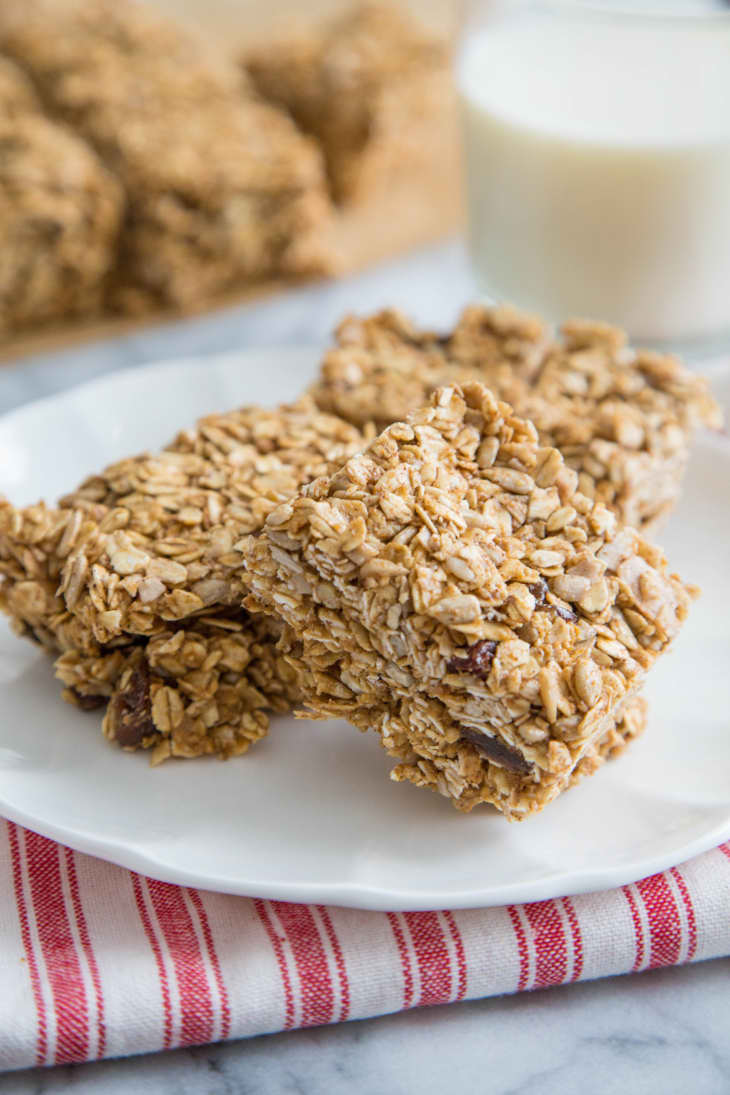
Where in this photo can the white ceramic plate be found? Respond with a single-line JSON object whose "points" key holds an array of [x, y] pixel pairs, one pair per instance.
{"points": [[309, 814]]}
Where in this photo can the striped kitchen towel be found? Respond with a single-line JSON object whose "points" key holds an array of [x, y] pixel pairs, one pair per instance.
{"points": [[97, 961]]}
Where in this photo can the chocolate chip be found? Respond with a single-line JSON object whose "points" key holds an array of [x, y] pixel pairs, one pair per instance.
{"points": [[130, 710], [539, 592], [565, 612], [478, 660], [496, 751], [87, 703]]}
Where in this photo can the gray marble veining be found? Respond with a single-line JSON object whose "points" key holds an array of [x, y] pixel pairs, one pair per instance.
{"points": [[661, 1033]]}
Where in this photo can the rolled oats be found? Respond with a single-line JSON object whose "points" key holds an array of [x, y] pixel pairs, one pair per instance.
{"points": [[167, 546], [17, 96], [204, 688], [35, 544], [135, 579], [479, 693], [623, 419]]}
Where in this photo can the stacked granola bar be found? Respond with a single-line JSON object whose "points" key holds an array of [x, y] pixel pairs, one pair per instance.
{"points": [[371, 87], [60, 211], [452, 588], [219, 186], [160, 172], [622, 418]]}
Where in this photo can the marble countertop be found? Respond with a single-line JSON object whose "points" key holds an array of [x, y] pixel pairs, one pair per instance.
{"points": [[662, 1032]]}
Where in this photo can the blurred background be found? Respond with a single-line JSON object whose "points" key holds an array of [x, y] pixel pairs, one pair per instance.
{"points": [[161, 158], [165, 156], [252, 20]]}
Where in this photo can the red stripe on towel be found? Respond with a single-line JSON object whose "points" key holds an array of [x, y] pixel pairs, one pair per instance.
{"points": [[548, 936], [176, 925], [339, 963], [405, 959], [59, 950], [310, 959], [576, 938], [522, 948], [665, 924], [432, 956], [460, 955], [83, 931], [25, 935], [214, 961]]}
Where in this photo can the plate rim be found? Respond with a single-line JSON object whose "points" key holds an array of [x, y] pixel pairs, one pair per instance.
{"points": [[368, 896], [161, 365]]}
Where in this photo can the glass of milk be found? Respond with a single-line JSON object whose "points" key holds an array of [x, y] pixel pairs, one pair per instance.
{"points": [[597, 142]]}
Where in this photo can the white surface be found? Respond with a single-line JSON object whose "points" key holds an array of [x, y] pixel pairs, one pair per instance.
{"points": [[309, 814], [598, 176]]}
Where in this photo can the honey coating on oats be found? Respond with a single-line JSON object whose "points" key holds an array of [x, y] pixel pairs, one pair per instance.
{"points": [[623, 419], [452, 531], [135, 579], [168, 545]]}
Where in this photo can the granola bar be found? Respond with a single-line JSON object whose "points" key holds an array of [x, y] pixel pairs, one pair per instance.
{"points": [[59, 213], [220, 673], [35, 543], [134, 578], [622, 418], [631, 724], [220, 187], [371, 87], [168, 545], [204, 687], [453, 589]]}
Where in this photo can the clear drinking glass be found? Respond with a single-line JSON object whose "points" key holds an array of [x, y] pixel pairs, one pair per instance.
{"points": [[597, 141]]}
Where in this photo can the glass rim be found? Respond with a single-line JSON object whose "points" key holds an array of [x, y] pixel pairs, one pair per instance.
{"points": [[624, 11]]}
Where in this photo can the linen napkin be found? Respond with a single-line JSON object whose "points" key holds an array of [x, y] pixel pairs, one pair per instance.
{"points": [[97, 961]]}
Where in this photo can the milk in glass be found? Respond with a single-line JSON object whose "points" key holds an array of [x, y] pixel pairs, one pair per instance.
{"points": [[598, 165]]}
